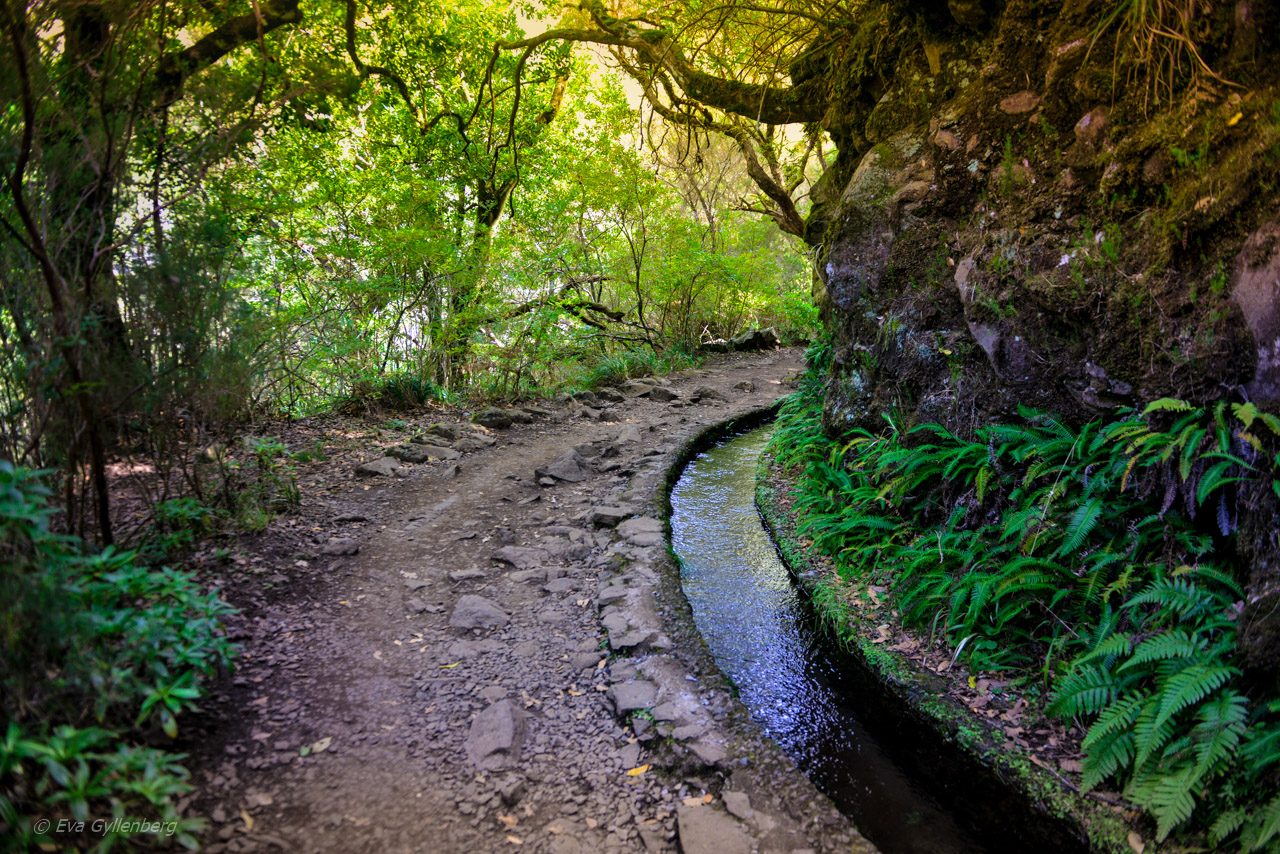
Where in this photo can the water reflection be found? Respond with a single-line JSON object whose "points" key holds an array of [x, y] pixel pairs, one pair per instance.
{"points": [[755, 624]]}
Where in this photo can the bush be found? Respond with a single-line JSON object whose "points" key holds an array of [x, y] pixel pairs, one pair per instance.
{"points": [[98, 653]]}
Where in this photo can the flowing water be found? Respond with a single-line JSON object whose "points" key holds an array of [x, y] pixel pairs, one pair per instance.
{"points": [[760, 632]]}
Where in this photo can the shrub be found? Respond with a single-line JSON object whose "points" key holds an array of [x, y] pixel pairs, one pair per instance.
{"points": [[97, 653]]}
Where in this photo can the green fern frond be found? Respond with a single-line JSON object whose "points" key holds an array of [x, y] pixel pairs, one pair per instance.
{"points": [[1222, 725], [1261, 828], [1168, 796], [1085, 692], [1082, 524], [1106, 758], [1171, 644], [1167, 404], [1188, 687]]}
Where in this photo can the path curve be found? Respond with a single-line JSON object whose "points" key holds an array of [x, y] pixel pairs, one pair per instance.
{"points": [[485, 658]]}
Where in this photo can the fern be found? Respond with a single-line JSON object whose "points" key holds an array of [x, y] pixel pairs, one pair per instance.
{"points": [[1167, 645], [1263, 827], [1082, 524], [1075, 552], [1168, 796], [1085, 692]]}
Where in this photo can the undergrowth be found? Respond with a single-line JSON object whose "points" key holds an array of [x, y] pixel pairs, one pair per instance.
{"points": [[99, 655], [1091, 562]]}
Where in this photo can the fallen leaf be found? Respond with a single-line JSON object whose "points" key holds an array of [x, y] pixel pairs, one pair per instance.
{"points": [[515, 840], [574, 692], [1232, 122], [638, 770], [1071, 766], [322, 745], [1136, 842], [450, 666], [693, 801], [508, 821], [247, 819]]}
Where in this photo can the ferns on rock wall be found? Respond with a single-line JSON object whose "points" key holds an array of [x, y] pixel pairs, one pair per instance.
{"points": [[1095, 558]]}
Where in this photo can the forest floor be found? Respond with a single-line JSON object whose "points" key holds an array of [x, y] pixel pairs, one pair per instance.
{"points": [[464, 655]]}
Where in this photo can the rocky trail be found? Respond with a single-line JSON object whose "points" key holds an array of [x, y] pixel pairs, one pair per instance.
{"points": [[485, 649]]}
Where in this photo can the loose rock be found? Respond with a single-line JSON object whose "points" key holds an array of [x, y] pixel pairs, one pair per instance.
{"points": [[381, 467], [477, 612], [495, 736]]}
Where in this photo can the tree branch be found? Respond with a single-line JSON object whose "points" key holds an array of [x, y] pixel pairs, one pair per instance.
{"points": [[177, 66], [654, 49]]}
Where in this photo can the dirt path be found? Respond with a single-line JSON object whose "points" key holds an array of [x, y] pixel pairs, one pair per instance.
{"points": [[485, 659]]}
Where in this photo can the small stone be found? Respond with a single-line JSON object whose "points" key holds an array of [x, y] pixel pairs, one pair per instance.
{"points": [[466, 575], [739, 805], [629, 755], [500, 419], [561, 585], [662, 394], [704, 392], [341, 547], [521, 557], [1020, 102], [708, 751], [511, 790], [420, 453], [447, 432]]}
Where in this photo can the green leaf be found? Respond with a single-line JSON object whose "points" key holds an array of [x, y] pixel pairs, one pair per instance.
{"points": [[1167, 404]]}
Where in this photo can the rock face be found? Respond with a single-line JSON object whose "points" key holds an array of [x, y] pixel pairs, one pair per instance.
{"points": [[1002, 226], [1256, 291]]}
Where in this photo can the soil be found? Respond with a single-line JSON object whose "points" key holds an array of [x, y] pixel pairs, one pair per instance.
{"points": [[425, 663]]}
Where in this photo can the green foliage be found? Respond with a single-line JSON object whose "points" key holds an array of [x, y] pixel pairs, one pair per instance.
{"points": [[93, 647], [1091, 556]]}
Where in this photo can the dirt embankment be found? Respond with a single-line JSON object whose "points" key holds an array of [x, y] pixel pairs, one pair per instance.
{"points": [[488, 650]]}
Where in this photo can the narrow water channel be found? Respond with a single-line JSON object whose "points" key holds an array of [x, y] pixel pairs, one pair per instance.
{"points": [[760, 633]]}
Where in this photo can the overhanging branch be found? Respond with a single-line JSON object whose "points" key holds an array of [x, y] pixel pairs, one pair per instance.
{"points": [[177, 66]]}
